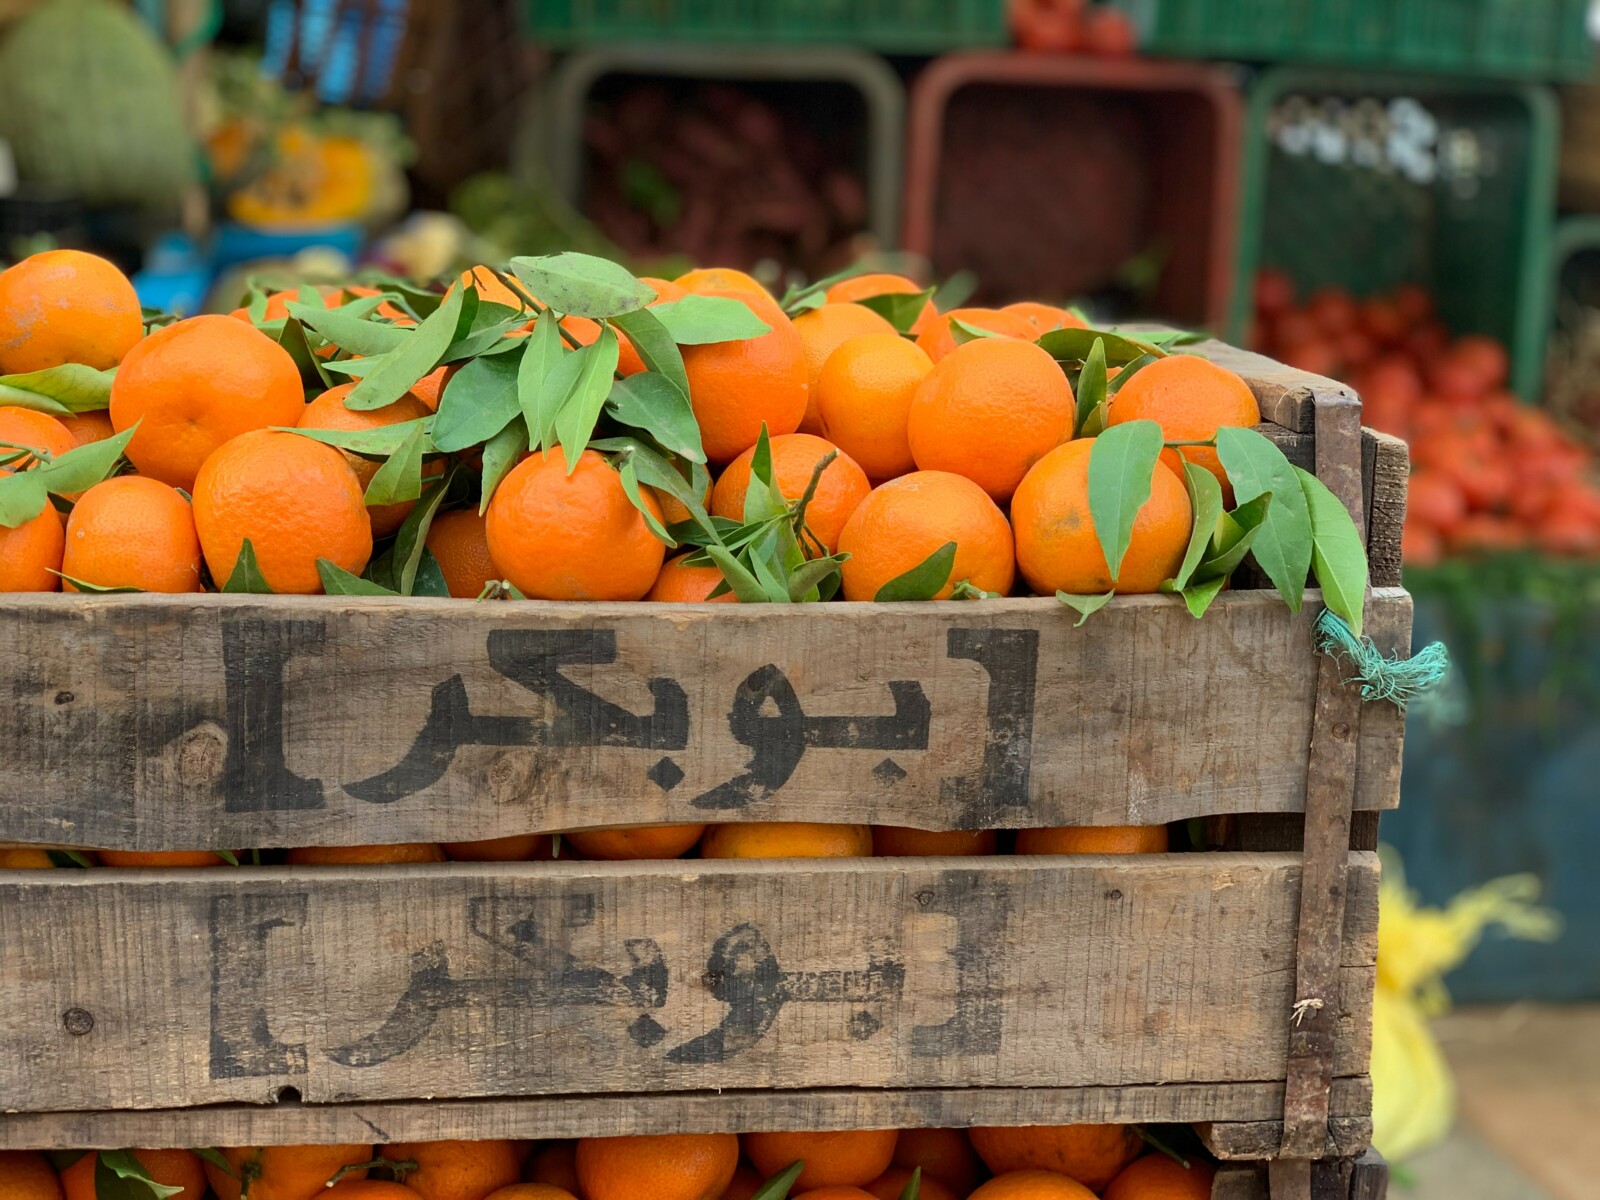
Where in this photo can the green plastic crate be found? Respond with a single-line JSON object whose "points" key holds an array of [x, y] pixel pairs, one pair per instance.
{"points": [[1477, 233], [904, 26], [1528, 39]]}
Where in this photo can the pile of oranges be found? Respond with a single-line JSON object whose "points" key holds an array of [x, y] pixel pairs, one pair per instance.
{"points": [[1042, 1162], [1490, 474], [956, 429]]}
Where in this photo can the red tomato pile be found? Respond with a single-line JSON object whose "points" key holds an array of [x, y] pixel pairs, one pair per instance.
{"points": [[1071, 27], [1489, 473]]}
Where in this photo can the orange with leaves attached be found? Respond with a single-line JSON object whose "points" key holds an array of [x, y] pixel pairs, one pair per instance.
{"points": [[132, 532], [945, 1154], [459, 542], [866, 287], [719, 280], [1045, 317], [1190, 398], [457, 1170], [171, 1168], [284, 1172], [30, 553], [1090, 1154], [852, 1157], [683, 1166], [65, 306], [26, 428], [737, 387], [937, 337], [795, 457], [891, 1185], [685, 583], [328, 411], [905, 521]]}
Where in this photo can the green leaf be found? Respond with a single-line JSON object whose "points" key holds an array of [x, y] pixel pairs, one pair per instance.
{"points": [[349, 329], [418, 301], [1128, 372], [913, 1188], [500, 453], [336, 581], [543, 355], [1205, 501], [808, 577], [292, 338], [1084, 606], [420, 353], [93, 589], [1197, 597], [430, 579], [962, 333], [654, 404], [762, 499], [247, 577], [1338, 557], [1237, 533], [477, 403], [69, 388], [924, 581], [23, 496], [766, 560], [1169, 339], [80, 469], [118, 1175], [1074, 345], [1091, 387], [405, 556], [560, 385], [655, 471], [356, 368], [490, 329], [777, 1188], [216, 1158], [900, 309], [597, 364], [704, 320], [1283, 547], [400, 477], [1122, 463], [68, 859], [654, 345], [582, 285], [630, 485], [370, 443], [743, 584]]}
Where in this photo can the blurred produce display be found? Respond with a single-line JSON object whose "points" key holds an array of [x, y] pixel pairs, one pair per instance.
{"points": [[1490, 474], [1071, 27]]}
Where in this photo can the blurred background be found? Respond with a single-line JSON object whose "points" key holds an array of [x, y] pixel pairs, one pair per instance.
{"points": [[1402, 194]]}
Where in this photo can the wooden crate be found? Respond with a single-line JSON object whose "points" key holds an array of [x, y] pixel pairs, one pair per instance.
{"points": [[290, 1005]]}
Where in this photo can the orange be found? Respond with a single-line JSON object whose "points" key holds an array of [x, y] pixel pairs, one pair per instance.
{"points": [[786, 839], [937, 340], [795, 456], [1190, 398], [519, 847], [458, 1170], [572, 537], [431, 386], [328, 411], [635, 841], [295, 499], [824, 330], [853, 1157], [277, 307], [746, 1183], [1157, 1177], [490, 288], [170, 1168], [719, 279], [555, 1163], [27, 1175], [65, 306], [897, 841], [905, 520], [1032, 1185], [140, 859], [865, 287], [863, 397], [23, 427], [197, 384], [1057, 547], [30, 552], [1044, 317], [86, 427], [347, 856], [672, 511], [945, 1154], [133, 532], [284, 1172], [369, 1189], [25, 858], [989, 410], [532, 1191], [682, 1166], [736, 387], [840, 1191], [680, 583], [665, 289], [892, 1183], [1091, 839], [1091, 1154], [459, 540]]}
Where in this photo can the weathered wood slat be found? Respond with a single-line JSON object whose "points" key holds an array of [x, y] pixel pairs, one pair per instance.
{"points": [[1387, 480], [1250, 1141], [162, 989], [532, 1117], [164, 723]]}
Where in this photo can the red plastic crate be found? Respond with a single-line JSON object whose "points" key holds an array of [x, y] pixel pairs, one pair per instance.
{"points": [[1046, 176]]}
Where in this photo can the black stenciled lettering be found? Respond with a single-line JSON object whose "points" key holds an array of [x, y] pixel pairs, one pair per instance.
{"points": [[255, 775], [980, 906], [1011, 659], [242, 1044], [533, 658], [778, 742], [543, 975]]}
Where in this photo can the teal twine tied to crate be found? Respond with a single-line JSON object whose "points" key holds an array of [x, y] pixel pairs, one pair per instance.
{"points": [[1399, 680]]}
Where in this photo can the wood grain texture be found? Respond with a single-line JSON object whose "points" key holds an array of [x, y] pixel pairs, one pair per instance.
{"points": [[166, 723], [1285, 395], [1250, 1141], [291, 1123], [163, 989], [1387, 479]]}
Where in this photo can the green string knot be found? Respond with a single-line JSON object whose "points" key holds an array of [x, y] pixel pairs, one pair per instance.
{"points": [[1398, 680]]}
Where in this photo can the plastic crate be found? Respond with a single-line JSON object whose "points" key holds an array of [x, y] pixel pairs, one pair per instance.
{"points": [[1366, 180], [903, 26], [1529, 39], [1047, 175]]}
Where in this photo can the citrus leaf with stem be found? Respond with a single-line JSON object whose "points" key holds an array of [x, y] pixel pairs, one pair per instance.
{"points": [[1237, 533], [93, 589], [419, 354], [336, 581], [656, 472], [1122, 464], [739, 578], [1205, 502], [581, 412], [68, 388], [1073, 345], [369, 443], [246, 577], [400, 477], [1128, 372], [809, 576], [405, 556], [1283, 548], [420, 302], [539, 403], [489, 333], [297, 345], [1090, 390], [706, 320], [500, 453], [814, 295], [80, 469], [923, 581], [118, 1175], [900, 309], [1084, 606], [1338, 557], [630, 485], [652, 403], [23, 496], [582, 285], [479, 401], [350, 328], [1197, 597], [654, 345]]}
